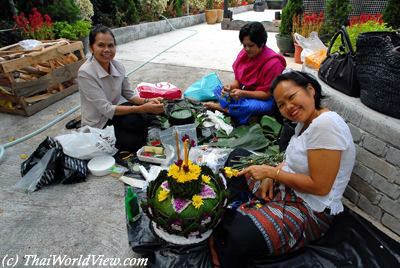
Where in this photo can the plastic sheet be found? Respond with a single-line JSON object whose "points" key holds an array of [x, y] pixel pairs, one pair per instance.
{"points": [[163, 254]]}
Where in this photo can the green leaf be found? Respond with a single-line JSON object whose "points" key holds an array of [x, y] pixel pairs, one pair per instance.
{"points": [[270, 124]]}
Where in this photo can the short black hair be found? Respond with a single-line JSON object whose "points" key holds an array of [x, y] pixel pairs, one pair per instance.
{"points": [[255, 31], [99, 28], [303, 80]]}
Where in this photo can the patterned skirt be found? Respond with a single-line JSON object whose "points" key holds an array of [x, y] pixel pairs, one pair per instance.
{"points": [[286, 222]]}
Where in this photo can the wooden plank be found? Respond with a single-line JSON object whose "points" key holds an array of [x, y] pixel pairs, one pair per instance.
{"points": [[34, 108], [38, 57], [37, 98], [58, 76]]}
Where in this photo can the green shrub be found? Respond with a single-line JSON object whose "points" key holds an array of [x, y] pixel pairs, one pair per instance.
{"points": [[292, 8], [62, 10], [391, 14], [355, 30], [336, 14], [75, 31]]}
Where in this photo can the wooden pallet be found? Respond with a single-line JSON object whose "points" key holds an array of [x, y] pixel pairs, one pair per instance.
{"points": [[32, 80]]}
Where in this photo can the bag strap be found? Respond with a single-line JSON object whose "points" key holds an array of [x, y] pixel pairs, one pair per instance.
{"points": [[344, 36]]}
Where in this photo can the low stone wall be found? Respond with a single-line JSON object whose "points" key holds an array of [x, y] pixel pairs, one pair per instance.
{"points": [[143, 30], [375, 183]]}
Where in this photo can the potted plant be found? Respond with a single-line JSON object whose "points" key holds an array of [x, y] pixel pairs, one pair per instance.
{"points": [[219, 6], [211, 13], [284, 39], [304, 24]]}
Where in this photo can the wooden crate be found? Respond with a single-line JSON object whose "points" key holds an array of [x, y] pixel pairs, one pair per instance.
{"points": [[32, 80]]}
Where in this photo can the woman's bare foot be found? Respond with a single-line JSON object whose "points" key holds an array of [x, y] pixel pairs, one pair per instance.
{"points": [[214, 106]]}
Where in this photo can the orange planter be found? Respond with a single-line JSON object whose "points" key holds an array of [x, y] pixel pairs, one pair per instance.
{"points": [[297, 52]]}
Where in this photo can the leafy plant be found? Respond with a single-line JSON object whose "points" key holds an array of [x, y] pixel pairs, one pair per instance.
{"points": [[336, 14], [292, 8], [75, 31], [62, 10], [356, 29], [391, 14]]}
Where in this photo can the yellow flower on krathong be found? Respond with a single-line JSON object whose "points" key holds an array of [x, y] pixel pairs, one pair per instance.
{"points": [[162, 195], [206, 179], [197, 201], [231, 172], [184, 174]]}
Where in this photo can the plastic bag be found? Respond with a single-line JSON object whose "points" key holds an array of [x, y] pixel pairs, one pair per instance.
{"points": [[161, 89], [89, 142], [243, 108], [168, 137], [203, 89], [310, 45], [48, 165], [213, 157]]}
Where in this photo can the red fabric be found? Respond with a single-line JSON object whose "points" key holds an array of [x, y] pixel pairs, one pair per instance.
{"points": [[260, 71]]}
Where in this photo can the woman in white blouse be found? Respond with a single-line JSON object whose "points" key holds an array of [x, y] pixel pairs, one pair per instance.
{"points": [[107, 96], [301, 195]]}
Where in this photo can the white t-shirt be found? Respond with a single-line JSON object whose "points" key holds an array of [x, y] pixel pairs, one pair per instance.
{"points": [[327, 131]]}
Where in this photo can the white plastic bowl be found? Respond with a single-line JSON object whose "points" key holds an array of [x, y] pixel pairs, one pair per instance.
{"points": [[101, 165]]}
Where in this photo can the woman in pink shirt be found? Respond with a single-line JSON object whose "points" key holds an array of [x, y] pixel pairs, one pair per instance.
{"points": [[255, 68]]}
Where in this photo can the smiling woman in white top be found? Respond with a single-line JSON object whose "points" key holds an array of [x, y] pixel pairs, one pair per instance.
{"points": [[107, 97], [301, 195]]}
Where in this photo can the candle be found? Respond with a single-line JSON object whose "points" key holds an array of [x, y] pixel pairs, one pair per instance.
{"points": [[177, 145], [186, 151]]}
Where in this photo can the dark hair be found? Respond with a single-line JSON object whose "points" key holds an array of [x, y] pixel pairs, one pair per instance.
{"points": [[303, 80], [99, 28], [255, 31]]}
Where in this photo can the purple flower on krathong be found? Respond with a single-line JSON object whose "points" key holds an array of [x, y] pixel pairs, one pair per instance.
{"points": [[185, 137], [165, 185], [179, 162], [206, 218], [192, 143], [177, 225], [186, 168], [179, 205], [207, 192]]}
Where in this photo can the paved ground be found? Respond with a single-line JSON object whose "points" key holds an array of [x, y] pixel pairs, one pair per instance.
{"points": [[89, 218]]}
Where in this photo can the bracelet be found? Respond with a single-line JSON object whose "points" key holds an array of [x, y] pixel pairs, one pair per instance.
{"points": [[277, 173]]}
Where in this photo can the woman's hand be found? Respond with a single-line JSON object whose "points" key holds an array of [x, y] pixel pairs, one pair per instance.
{"points": [[237, 93], [226, 89], [266, 189], [258, 172], [152, 108], [156, 100]]}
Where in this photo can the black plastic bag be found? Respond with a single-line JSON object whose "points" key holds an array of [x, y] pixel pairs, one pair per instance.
{"points": [[48, 165], [161, 253]]}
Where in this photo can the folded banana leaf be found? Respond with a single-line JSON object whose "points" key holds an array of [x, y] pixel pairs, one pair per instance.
{"points": [[246, 137]]}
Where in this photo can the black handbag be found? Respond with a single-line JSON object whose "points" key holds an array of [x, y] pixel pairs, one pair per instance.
{"points": [[338, 70]]}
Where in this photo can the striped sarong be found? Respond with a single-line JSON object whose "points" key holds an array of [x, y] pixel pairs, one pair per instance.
{"points": [[286, 223]]}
